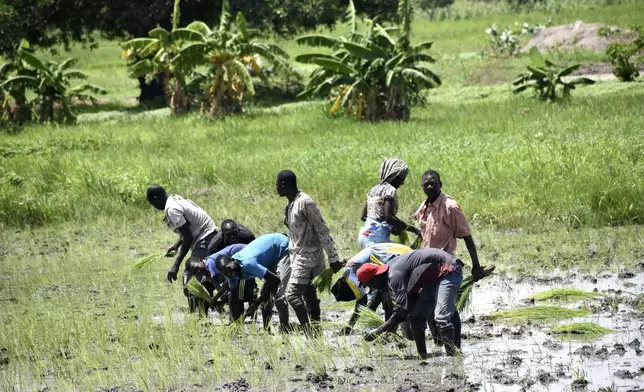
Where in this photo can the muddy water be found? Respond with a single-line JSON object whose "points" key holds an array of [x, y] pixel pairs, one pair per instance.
{"points": [[501, 357]]}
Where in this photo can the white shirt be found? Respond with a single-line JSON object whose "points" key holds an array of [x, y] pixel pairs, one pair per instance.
{"points": [[179, 211]]}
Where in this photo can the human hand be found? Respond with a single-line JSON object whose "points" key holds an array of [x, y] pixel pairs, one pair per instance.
{"points": [[477, 272], [336, 266], [171, 252], [172, 275]]}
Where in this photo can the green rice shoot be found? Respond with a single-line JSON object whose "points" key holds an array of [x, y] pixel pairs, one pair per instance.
{"points": [[402, 238], [464, 297], [324, 281], [141, 263], [563, 294], [537, 313], [582, 330], [368, 318], [196, 289]]}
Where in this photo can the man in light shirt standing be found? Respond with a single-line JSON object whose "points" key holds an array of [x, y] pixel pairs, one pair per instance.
{"points": [[195, 228], [309, 238]]}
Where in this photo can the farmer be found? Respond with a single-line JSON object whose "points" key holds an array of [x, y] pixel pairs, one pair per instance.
{"points": [[420, 282], [379, 211], [377, 254], [308, 238], [211, 279], [265, 258], [441, 221], [195, 228], [231, 233]]}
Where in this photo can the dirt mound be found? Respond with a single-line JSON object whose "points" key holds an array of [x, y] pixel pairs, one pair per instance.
{"points": [[578, 35]]}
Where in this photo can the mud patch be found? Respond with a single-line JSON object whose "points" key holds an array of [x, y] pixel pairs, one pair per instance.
{"points": [[578, 35], [239, 385]]}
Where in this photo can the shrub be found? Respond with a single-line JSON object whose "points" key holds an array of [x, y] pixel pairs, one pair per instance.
{"points": [[543, 76], [626, 58]]}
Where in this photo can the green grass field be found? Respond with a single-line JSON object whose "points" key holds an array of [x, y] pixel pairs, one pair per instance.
{"points": [[546, 187]]}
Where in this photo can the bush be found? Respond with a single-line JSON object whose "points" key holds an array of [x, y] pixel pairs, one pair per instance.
{"points": [[431, 6], [626, 58]]}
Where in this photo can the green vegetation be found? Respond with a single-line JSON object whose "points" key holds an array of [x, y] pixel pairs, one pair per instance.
{"points": [[564, 295], [581, 330], [372, 75], [465, 291], [368, 318], [537, 314], [142, 263], [544, 77], [627, 57], [546, 189], [196, 289]]}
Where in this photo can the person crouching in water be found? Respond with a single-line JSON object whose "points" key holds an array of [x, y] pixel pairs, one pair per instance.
{"points": [[265, 258], [421, 281]]}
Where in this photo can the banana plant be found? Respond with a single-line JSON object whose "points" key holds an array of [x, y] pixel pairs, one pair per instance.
{"points": [[231, 51], [376, 74], [545, 77], [51, 83]]}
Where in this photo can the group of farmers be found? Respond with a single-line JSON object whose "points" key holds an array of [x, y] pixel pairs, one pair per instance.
{"points": [[416, 288]]}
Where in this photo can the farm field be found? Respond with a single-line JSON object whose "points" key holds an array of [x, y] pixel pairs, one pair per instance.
{"points": [[553, 193]]}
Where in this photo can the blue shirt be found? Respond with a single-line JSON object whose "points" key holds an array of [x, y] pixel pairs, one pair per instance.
{"points": [[227, 251], [259, 256], [376, 254]]}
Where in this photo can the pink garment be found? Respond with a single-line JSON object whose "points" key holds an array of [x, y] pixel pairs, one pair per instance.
{"points": [[441, 223]]}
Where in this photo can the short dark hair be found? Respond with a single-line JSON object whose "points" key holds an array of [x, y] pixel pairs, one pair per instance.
{"points": [[288, 178], [155, 192], [228, 222], [434, 173]]}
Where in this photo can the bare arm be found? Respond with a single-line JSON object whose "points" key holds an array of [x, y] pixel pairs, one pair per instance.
{"points": [[271, 281], [393, 220], [363, 217], [187, 238], [233, 304]]}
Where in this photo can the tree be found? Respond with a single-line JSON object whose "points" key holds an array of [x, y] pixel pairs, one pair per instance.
{"points": [[47, 23], [374, 75], [49, 81]]}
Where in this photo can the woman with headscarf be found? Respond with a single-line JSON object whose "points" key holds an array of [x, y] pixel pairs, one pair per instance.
{"points": [[379, 211]]}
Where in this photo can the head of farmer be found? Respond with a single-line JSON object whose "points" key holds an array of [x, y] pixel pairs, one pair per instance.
{"points": [[157, 196], [230, 232]]}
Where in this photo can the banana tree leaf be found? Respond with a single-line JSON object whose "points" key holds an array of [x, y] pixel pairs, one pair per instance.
{"points": [[142, 68], [33, 61], [200, 27], [277, 50], [66, 64], [418, 57], [280, 63], [422, 47], [350, 19], [395, 61], [389, 77], [160, 33], [536, 59], [185, 34], [319, 40], [224, 19], [521, 88], [430, 75], [138, 44], [417, 76], [75, 74], [307, 58], [26, 81], [242, 25], [334, 65], [568, 71], [383, 33], [583, 81], [538, 72], [361, 51], [151, 49], [88, 87]]}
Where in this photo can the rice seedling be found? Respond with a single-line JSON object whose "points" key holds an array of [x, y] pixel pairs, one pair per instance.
{"points": [[196, 289], [563, 294], [141, 263], [582, 330], [369, 318], [536, 313], [324, 281], [464, 297]]}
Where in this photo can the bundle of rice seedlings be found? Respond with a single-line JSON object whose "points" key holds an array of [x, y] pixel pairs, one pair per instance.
{"points": [[368, 318], [537, 313], [324, 281], [142, 262], [465, 292], [196, 289], [585, 330], [563, 295]]}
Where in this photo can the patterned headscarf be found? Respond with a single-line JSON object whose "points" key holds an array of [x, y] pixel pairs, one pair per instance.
{"points": [[392, 168]]}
